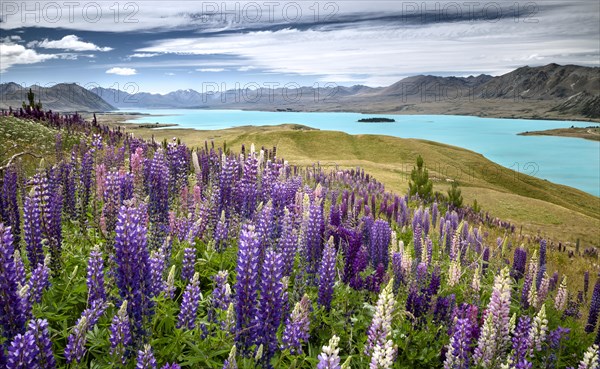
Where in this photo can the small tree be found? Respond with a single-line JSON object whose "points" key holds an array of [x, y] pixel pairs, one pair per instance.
{"points": [[420, 184], [454, 196]]}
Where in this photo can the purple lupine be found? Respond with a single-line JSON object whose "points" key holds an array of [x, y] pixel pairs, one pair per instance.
{"points": [[67, 174], [10, 209], [485, 260], [458, 355], [95, 277], [145, 359], [494, 337], [85, 184], [158, 188], [521, 344], [594, 308], [51, 209], [248, 188], [313, 247], [32, 230], [221, 295], [157, 269], [188, 264], [132, 274], [170, 366], [12, 318], [541, 264], [246, 287], [38, 282], [189, 306], [22, 352], [443, 308], [75, 348], [327, 275], [268, 316], [20, 273], [417, 242], [120, 335], [230, 362], [434, 214], [297, 327], [287, 243], [519, 262], [38, 328], [112, 200], [381, 234], [221, 232]]}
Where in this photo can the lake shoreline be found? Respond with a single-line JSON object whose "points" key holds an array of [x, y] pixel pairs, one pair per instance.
{"points": [[591, 133]]}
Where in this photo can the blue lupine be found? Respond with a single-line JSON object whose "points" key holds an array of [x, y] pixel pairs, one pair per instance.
{"points": [[120, 335], [75, 348], [12, 318], [38, 328], [157, 268], [158, 188], [594, 308], [95, 277], [268, 316], [189, 305], [145, 359], [188, 264], [521, 344], [32, 230], [22, 352], [417, 242], [327, 275], [381, 234], [132, 275], [10, 209], [297, 327], [38, 282], [519, 263], [541, 264], [458, 355], [287, 243], [246, 287], [313, 246]]}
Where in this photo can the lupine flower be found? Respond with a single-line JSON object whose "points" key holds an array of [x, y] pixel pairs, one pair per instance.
{"points": [[543, 291], [443, 308], [485, 258], [95, 277], [171, 366], [378, 341], [454, 272], [586, 283], [271, 302], [189, 261], [38, 328], [519, 261], [221, 231], [287, 243], [246, 288], [133, 268], [170, 284], [521, 346], [189, 305], [541, 264], [495, 334], [145, 359], [158, 188], [560, 301], [327, 275], [417, 232], [22, 352], [380, 241], [39, 281], [75, 348], [539, 329], [230, 362], [12, 318], [32, 228], [221, 297], [157, 268], [590, 358], [313, 247], [120, 335], [459, 346], [9, 211], [329, 357], [476, 283], [297, 327], [20, 273], [594, 308]]}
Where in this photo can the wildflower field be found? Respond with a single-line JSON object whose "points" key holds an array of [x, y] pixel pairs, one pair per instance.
{"points": [[117, 252]]}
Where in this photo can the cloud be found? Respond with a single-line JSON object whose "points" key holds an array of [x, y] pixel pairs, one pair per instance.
{"points": [[69, 42], [209, 70], [122, 71], [143, 55], [169, 74], [245, 68], [14, 54]]}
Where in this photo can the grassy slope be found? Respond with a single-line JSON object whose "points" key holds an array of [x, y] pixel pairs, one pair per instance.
{"points": [[558, 212]]}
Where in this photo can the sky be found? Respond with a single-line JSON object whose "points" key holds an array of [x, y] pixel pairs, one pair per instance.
{"points": [[162, 46]]}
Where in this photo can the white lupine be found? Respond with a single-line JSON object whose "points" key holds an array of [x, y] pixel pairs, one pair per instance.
{"points": [[590, 358], [381, 326], [539, 329], [329, 357], [454, 272], [560, 300], [532, 298], [383, 356], [476, 283]]}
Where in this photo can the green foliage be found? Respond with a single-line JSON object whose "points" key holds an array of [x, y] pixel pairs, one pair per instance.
{"points": [[420, 184], [454, 197]]}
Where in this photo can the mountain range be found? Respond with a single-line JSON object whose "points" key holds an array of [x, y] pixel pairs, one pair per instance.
{"points": [[551, 91]]}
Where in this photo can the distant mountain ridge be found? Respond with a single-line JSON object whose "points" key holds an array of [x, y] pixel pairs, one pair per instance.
{"points": [[568, 91], [60, 97]]}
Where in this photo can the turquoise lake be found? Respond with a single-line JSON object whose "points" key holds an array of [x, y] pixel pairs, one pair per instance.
{"points": [[573, 162]]}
